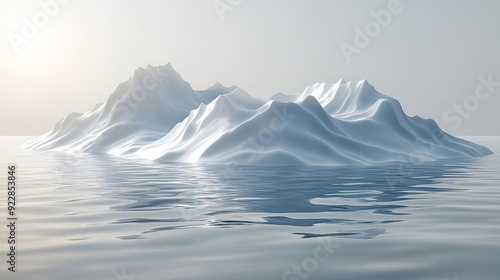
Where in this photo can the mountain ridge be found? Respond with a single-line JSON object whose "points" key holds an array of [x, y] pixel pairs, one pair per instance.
{"points": [[157, 115]]}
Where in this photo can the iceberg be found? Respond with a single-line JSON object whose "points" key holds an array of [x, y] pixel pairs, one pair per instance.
{"points": [[156, 115]]}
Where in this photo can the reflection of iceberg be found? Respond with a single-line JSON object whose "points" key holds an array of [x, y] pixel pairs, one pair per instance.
{"points": [[156, 115], [343, 202], [363, 234]]}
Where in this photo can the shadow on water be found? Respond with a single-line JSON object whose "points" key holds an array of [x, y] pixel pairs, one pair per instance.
{"points": [[192, 196]]}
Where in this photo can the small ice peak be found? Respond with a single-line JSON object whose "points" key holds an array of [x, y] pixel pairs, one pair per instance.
{"points": [[154, 71], [218, 85], [364, 82], [167, 68]]}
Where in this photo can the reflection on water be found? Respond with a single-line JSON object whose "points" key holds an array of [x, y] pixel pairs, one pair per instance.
{"points": [[88, 217], [212, 196]]}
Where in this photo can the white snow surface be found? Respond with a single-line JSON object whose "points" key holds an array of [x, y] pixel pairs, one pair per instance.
{"points": [[156, 115]]}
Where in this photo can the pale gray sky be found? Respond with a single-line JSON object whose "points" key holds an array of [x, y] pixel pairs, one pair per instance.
{"points": [[429, 55]]}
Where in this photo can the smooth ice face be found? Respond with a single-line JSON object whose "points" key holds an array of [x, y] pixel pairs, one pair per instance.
{"points": [[156, 115]]}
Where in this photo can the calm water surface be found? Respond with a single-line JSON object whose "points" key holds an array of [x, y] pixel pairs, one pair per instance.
{"points": [[91, 217]]}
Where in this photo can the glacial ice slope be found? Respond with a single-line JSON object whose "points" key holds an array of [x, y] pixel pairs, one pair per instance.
{"points": [[366, 128], [156, 115], [363, 113], [140, 110]]}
